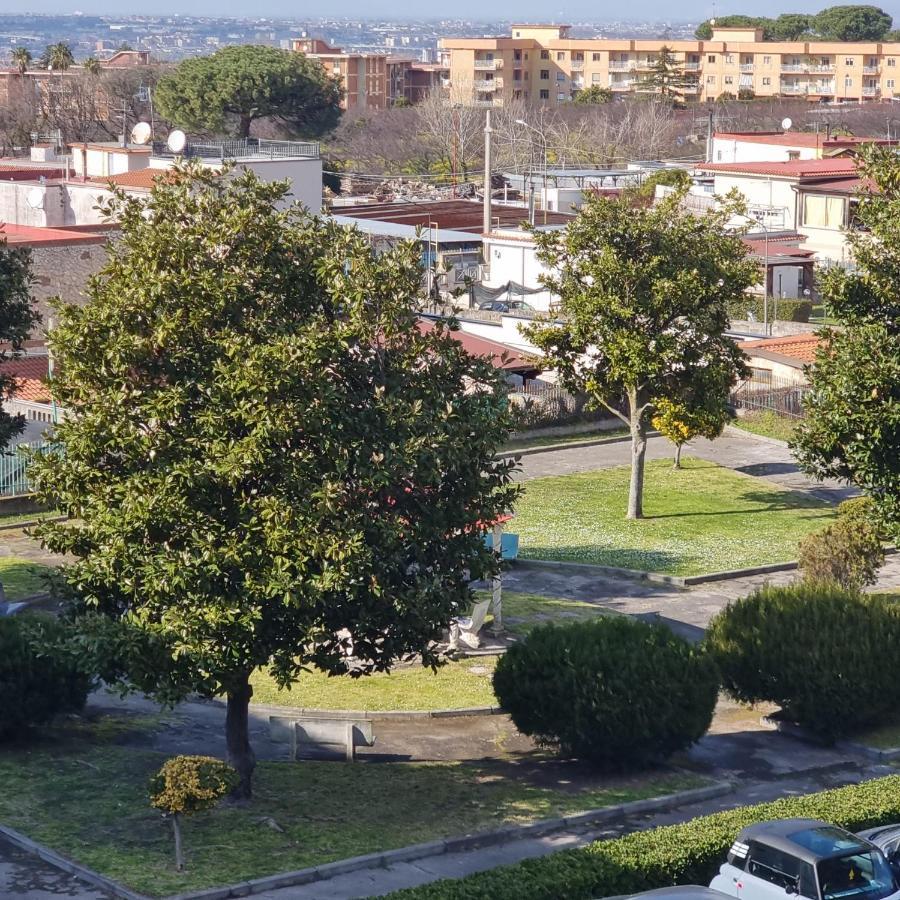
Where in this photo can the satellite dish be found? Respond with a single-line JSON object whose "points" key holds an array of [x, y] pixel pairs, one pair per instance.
{"points": [[140, 134], [786, 124], [35, 198], [177, 140]]}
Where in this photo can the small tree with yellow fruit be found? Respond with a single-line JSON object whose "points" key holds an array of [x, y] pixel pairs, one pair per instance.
{"points": [[189, 784], [680, 422]]}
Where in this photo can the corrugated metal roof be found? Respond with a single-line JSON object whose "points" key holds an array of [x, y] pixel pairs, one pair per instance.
{"points": [[407, 232]]}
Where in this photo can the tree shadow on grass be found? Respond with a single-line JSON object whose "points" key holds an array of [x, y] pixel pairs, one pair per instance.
{"points": [[616, 557], [761, 470], [766, 502]]}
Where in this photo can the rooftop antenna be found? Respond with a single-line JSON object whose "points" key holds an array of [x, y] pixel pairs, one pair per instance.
{"points": [[786, 123]]}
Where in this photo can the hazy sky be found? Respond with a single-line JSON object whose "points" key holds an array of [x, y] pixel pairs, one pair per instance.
{"points": [[526, 10]]}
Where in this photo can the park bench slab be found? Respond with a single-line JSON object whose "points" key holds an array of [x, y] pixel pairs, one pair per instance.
{"points": [[321, 737]]}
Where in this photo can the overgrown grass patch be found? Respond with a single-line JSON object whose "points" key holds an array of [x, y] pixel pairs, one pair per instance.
{"points": [[85, 794], [699, 519], [768, 424], [22, 578]]}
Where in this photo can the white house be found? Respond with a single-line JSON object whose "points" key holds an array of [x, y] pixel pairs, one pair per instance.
{"points": [[782, 146]]}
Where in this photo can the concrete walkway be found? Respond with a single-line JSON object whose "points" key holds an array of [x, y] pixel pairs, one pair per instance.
{"points": [[734, 450], [26, 877]]}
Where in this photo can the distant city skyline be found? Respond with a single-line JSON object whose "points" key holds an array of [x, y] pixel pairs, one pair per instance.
{"points": [[525, 10]]}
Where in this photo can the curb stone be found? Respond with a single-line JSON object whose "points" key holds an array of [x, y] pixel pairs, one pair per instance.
{"points": [[680, 581], [562, 445], [373, 715], [457, 844], [67, 865]]}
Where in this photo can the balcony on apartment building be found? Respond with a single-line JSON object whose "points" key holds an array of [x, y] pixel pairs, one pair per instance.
{"points": [[795, 67], [820, 67], [488, 101], [692, 67], [691, 89], [488, 84], [792, 87], [622, 65], [871, 90], [821, 87], [488, 63], [870, 70], [622, 84], [577, 64], [746, 67]]}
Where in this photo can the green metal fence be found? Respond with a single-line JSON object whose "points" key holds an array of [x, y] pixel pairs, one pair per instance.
{"points": [[14, 468]]}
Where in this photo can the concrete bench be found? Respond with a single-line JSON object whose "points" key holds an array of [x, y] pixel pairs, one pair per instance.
{"points": [[318, 737]]}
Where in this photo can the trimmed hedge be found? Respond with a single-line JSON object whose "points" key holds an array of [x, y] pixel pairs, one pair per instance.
{"points": [[616, 691], [788, 310], [687, 853], [826, 655]]}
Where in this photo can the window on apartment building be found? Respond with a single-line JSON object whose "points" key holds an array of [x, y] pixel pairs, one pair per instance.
{"points": [[560, 76], [545, 94], [767, 60], [517, 55], [891, 62], [711, 58], [823, 212], [545, 74], [595, 57], [560, 97], [848, 60], [793, 154], [824, 61], [526, 55], [518, 34], [597, 78], [729, 58], [545, 54], [848, 81], [560, 54], [767, 82], [890, 83], [729, 79], [526, 74], [710, 79], [763, 376]]}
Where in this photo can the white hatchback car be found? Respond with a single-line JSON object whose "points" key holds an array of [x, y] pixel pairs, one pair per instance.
{"points": [[806, 857]]}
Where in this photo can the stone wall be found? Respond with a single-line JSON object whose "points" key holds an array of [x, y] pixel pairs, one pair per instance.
{"points": [[63, 270]]}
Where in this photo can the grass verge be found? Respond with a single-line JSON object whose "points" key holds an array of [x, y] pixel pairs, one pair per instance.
{"points": [[700, 519], [768, 424], [84, 794], [527, 443], [22, 578]]}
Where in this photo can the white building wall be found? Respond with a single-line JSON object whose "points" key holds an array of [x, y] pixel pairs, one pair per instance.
{"points": [[305, 175], [776, 194], [513, 261], [506, 331], [732, 150]]}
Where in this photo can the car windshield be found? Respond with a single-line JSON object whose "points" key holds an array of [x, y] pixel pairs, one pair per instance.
{"points": [[866, 875]]}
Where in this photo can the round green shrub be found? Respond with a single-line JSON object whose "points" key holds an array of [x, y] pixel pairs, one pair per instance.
{"points": [[38, 677], [825, 654], [616, 691]]}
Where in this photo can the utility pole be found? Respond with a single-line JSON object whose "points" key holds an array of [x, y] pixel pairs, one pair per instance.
{"points": [[454, 158], [709, 136], [488, 131]]}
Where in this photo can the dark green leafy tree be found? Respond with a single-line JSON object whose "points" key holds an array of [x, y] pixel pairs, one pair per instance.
{"points": [[644, 293], [21, 59], [57, 57], [227, 91], [704, 31], [789, 27], [594, 95], [666, 77], [852, 425], [17, 318], [272, 465], [852, 23]]}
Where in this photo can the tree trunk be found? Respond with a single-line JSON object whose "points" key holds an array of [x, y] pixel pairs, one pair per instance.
{"points": [[179, 853], [638, 452], [677, 457], [244, 126], [237, 736]]}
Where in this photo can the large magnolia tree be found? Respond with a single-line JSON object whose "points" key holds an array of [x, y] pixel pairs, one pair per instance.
{"points": [[269, 463], [644, 294], [852, 425]]}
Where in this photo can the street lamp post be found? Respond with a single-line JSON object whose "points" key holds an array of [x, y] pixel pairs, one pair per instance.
{"points": [[540, 134]]}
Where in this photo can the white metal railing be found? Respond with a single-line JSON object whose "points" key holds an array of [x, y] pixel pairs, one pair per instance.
{"points": [[486, 63], [622, 65], [486, 85], [870, 70], [485, 103], [794, 67], [624, 85], [793, 88], [692, 67], [827, 67], [746, 67], [870, 91], [827, 88], [577, 64]]}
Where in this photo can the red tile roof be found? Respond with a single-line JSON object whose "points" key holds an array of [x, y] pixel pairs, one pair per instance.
{"points": [[801, 347], [795, 168], [30, 373], [32, 236], [141, 179], [798, 139], [502, 356]]}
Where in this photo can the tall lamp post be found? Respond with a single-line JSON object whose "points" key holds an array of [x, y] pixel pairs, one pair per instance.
{"points": [[765, 268]]}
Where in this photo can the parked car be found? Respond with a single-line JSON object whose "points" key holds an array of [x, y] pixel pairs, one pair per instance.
{"points": [[887, 839], [508, 306], [808, 858]]}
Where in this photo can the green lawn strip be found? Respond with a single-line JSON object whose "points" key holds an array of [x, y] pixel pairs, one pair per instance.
{"points": [[768, 424], [584, 437], [87, 798], [885, 737], [700, 519], [22, 578], [456, 685], [17, 518]]}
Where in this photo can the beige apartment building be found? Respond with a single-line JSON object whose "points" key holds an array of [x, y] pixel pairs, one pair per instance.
{"points": [[542, 64], [363, 76]]}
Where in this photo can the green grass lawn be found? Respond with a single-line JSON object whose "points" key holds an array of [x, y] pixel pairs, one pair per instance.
{"points": [[456, 685], [700, 519], [885, 737], [768, 424], [22, 578], [84, 794]]}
